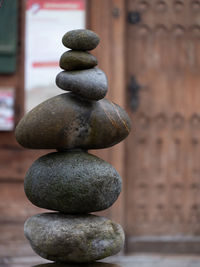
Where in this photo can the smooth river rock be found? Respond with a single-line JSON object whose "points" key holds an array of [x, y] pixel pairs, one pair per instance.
{"points": [[81, 39], [90, 83], [67, 122], [77, 60], [73, 238], [72, 183]]}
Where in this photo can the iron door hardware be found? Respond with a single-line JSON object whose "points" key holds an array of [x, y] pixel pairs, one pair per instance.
{"points": [[133, 17], [133, 93]]}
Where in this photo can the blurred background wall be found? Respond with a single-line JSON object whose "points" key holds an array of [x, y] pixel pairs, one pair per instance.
{"points": [[150, 51]]}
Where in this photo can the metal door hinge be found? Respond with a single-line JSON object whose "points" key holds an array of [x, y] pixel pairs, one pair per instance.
{"points": [[133, 93], [134, 17]]}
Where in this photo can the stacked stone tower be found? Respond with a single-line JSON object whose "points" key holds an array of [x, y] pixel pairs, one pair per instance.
{"points": [[71, 181]]}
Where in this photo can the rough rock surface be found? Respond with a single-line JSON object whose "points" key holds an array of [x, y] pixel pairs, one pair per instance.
{"points": [[91, 83], [72, 183], [81, 39], [67, 121], [77, 60], [72, 238]]}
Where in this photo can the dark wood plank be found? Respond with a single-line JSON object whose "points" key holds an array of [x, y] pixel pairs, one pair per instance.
{"points": [[15, 161], [14, 205]]}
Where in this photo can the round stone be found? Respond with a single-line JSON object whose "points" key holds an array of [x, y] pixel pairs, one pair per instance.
{"points": [[72, 183], [81, 39], [77, 60], [91, 84], [73, 238], [67, 122]]}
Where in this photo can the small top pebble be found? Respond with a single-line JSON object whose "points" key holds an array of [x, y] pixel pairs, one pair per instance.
{"points": [[81, 39], [77, 60]]}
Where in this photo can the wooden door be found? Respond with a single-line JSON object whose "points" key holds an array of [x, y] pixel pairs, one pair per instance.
{"points": [[163, 150]]}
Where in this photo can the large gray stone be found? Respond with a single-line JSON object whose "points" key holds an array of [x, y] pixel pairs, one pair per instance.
{"points": [[70, 238], [72, 183], [77, 60], [91, 83], [66, 121], [81, 39]]}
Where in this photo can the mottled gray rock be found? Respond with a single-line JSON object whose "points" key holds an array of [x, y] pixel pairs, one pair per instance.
{"points": [[66, 121], [81, 39], [72, 183], [73, 238], [91, 83], [77, 60]]}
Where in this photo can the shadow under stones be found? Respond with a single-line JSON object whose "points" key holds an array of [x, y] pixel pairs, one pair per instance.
{"points": [[96, 264]]}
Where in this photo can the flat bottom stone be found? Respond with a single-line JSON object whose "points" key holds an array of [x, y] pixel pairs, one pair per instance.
{"points": [[73, 238]]}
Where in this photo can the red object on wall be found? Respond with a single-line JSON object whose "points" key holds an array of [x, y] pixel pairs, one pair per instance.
{"points": [[56, 5]]}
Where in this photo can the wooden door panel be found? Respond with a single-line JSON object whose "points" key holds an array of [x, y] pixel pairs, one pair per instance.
{"points": [[14, 206], [163, 168]]}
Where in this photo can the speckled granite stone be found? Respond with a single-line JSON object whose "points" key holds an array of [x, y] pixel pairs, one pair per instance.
{"points": [[77, 60], [90, 83], [73, 238], [72, 182], [81, 39]]}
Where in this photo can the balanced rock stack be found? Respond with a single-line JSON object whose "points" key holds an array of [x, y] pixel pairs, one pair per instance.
{"points": [[72, 181]]}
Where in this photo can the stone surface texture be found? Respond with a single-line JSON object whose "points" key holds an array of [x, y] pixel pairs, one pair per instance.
{"points": [[66, 121], [77, 60], [81, 39], [73, 238], [72, 182], [91, 83]]}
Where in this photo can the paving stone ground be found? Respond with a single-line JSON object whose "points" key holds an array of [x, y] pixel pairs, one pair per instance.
{"points": [[157, 260], [135, 260]]}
